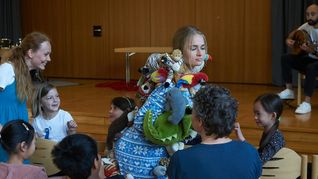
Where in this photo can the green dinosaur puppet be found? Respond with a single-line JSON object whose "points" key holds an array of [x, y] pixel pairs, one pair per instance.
{"points": [[163, 132]]}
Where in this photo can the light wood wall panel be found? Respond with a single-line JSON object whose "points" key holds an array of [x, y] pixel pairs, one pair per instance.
{"points": [[53, 18], [257, 42], [224, 31], [129, 27], [238, 34], [167, 16]]}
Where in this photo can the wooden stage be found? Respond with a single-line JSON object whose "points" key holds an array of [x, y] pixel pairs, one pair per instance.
{"points": [[89, 106]]}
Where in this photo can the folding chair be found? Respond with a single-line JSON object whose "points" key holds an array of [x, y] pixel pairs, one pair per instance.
{"points": [[286, 164]]}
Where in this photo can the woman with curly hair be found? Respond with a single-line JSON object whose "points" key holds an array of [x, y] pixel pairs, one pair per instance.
{"points": [[217, 156]]}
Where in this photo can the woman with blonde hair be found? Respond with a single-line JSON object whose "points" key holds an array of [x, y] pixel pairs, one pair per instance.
{"points": [[136, 155]]}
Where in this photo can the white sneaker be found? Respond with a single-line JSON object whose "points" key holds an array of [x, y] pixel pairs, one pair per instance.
{"points": [[287, 94], [303, 108]]}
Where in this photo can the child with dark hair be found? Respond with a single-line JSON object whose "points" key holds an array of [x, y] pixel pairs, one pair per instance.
{"points": [[18, 140], [77, 157], [267, 111], [50, 122], [120, 116]]}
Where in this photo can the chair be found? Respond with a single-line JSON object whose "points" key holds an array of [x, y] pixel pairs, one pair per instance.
{"points": [[42, 155], [299, 78], [286, 164], [314, 174]]}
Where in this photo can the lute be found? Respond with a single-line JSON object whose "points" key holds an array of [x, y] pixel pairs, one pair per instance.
{"points": [[300, 37]]}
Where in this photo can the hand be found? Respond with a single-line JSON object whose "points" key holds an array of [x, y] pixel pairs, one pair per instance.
{"points": [[238, 131], [72, 126], [307, 48], [290, 42]]}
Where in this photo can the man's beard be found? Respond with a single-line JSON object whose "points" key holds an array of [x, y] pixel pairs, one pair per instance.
{"points": [[312, 22]]}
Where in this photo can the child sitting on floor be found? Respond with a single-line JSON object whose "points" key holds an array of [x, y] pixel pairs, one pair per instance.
{"points": [[267, 111], [120, 116], [18, 140], [50, 122]]}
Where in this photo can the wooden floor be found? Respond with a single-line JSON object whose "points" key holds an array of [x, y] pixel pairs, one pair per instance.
{"points": [[89, 106]]}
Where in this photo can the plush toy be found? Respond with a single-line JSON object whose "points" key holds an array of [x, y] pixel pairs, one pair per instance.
{"points": [[192, 81], [111, 169], [159, 68], [153, 80], [168, 66], [173, 126], [176, 103], [163, 132], [131, 115], [161, 169], [173, 64], [159, 76]]}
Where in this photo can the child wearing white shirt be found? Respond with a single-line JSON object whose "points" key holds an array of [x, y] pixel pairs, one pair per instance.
{"points": [[50, 122]]}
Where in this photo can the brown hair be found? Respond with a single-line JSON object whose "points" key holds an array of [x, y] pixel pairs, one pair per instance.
{"points": [[127, 105], [40, 91], [32, 42]]}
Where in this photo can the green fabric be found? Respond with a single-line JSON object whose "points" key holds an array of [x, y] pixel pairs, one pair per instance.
{"points": [[162, 132]]}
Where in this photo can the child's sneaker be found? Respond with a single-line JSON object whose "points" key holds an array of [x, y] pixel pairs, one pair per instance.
{"points": [[303, 108], [287, 94]]}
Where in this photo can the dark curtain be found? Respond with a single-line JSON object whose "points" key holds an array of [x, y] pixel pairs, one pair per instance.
{"points": [[287, 15], [10, 20]]}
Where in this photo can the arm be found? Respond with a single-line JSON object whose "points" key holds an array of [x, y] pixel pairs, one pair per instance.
{"points": [[238, 132], [309, 49], [71, 125], [289, 40]]}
